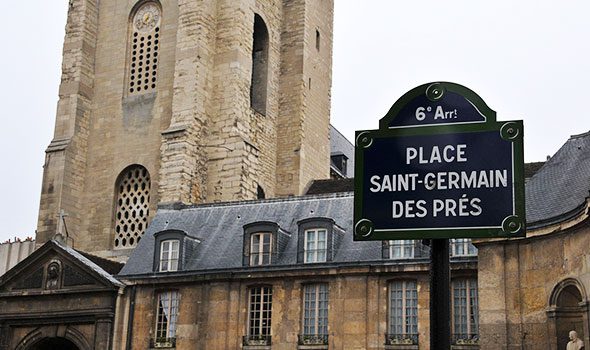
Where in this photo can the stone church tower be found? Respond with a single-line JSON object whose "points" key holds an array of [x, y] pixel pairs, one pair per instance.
{"points": [[185, 101]]}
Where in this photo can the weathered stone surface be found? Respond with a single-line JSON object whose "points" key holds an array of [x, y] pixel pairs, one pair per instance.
{"points": [[196, 132], [519, 285]]}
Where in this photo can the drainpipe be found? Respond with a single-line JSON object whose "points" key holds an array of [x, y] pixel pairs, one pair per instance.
{"points": [[130, 321]]}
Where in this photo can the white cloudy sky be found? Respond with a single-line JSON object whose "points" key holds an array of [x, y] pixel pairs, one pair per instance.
{"points": [[528, 59]]}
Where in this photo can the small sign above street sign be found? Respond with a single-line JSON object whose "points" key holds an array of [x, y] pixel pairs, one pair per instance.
{"points": [[440, 166]]}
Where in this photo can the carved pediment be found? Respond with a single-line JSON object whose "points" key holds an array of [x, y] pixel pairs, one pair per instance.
{"points": [[55, 268]]}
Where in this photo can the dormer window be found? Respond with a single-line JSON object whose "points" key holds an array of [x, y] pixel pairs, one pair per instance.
{"points": [[401, 249], [462, 247], [318, 239], [404, 249], [172, 249], [339, 165], [169, 252], [315, 245], [263, 243], [260, 248]]}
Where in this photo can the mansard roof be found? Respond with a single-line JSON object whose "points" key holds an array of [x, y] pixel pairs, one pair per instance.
{"points": [[558, 191], [220, 229]]}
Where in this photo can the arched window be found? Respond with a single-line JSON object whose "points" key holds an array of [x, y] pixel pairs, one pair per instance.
{"points": [[260, 193], [132, 211], [144, 43], [566, 312], [258, 85]]}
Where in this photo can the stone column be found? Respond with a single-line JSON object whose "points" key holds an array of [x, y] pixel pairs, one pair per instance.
{"points": [[183, 173], [65, 160], [103, 331]]}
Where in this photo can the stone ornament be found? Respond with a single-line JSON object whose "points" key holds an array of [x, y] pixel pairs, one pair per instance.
{"points": [[53, 272], [575, 343], [147, 18]]}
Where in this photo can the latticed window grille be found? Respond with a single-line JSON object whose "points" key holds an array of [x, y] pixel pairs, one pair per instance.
{"points": [[166, 317], [465, 309], [133, 197], [260, 311], [315, 245], [315, 304], [143, 48], [403, 309]]}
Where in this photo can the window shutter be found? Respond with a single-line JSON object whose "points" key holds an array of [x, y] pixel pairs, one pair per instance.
{"points": [[385, 249], [300, 246]]}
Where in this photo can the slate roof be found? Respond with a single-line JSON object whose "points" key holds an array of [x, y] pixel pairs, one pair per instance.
{"points": [[84, 260], [109, 266], [340, 145], [531, 169], [555, 192], [219, 227], [331, 186], [560, 188]]}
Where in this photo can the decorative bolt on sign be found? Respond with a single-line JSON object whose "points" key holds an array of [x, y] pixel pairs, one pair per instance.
{"points": [[440, 166]]}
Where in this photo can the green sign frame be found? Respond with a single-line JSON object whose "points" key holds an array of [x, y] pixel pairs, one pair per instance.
{"points": [[476, 119]]}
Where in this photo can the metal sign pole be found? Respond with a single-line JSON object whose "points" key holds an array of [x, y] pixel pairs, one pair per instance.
{"points": [[440, 296]]}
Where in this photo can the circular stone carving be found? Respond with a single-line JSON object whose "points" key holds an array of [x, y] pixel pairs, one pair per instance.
{"points": [[147, 18]]}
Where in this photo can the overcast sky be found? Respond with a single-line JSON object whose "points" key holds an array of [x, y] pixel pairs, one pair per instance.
{"points": [[528, 59]]}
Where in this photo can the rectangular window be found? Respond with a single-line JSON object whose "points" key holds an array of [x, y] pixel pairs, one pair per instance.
{"points": [[166, 317], [169, 255], [315, 245], [259, 318], [465, 310], [260, 249], [462, 247], [401, 249], [403, 312], [315, 310]]}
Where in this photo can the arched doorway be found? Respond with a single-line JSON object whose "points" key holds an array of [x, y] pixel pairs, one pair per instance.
{"points": [[568, 312], [54, 344]]}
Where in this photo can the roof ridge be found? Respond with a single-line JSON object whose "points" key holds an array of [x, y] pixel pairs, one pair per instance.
{"points": [[181, 206], [577, 136], [341, 134]]}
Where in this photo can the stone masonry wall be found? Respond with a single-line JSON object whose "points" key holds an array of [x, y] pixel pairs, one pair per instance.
{"points": [[65, 160], [317, 69], [214, 315], [516, 279], [303, 126], [124, 129], [183, 150], [196, 132]]}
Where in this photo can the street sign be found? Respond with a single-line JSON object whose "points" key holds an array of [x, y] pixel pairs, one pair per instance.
{"points": [[439, 166]]}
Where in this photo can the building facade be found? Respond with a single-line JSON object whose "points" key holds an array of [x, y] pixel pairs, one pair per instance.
{"points": [[183, 101], [533, 290], [286, 274], [176, 120], [60, 298]]}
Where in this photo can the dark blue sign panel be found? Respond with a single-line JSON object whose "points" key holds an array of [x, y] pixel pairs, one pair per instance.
{"points": [[440, 166], [449, 109], [438, 181]]}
